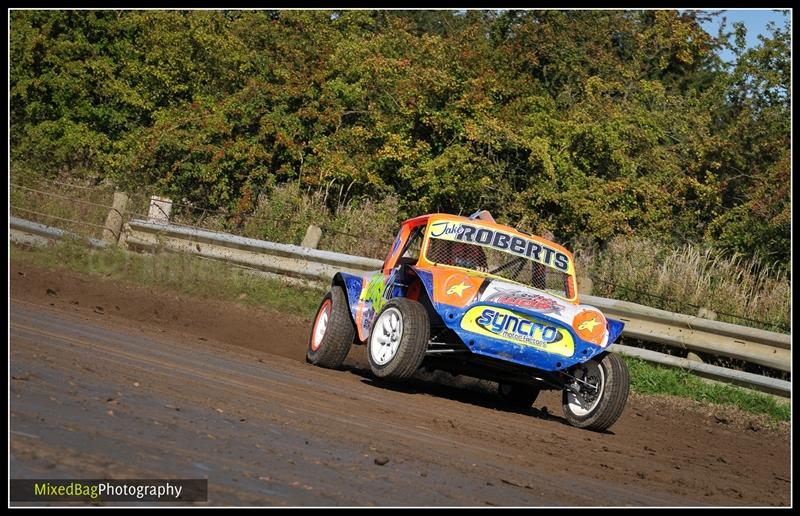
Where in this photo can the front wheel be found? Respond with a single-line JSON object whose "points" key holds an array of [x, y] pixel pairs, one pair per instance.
{"points": [[399, 339], [604, 385]]}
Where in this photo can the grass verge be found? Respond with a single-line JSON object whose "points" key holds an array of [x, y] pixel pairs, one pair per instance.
{"points": [[178, 272], [649, 378], [199, 277]]}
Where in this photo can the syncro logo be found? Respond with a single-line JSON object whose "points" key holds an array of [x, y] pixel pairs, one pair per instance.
{"points": [[503, 324]]}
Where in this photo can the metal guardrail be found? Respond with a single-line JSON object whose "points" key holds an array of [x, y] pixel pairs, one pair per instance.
{"points": [[749, 380], [287, 259], [34, 233], [697, 334], [641, 322]]}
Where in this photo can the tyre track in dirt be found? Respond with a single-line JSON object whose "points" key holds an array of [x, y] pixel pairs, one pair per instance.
{"points": [[97, 394]]}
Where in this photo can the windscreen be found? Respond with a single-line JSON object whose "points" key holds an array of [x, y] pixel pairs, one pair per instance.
{"points": [[496, 253]]}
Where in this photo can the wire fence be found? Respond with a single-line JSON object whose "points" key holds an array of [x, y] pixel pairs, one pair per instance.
{"points": [[84, 210], [667, 301], [708, 358], [77, 215], [38, 214]]}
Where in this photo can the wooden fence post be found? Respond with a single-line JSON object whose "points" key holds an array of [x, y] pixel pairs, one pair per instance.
{"points": [[160, 209], [115, 218], [312, 238]]}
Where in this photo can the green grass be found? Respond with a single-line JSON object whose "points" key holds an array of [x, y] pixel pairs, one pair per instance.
{"points": [[199, 277], [648, 378], [178, 272]]}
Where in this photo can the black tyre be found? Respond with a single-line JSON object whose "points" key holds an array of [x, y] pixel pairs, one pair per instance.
{"points": [[332, 332], [516, 395], [598, 409], [398, 340]]}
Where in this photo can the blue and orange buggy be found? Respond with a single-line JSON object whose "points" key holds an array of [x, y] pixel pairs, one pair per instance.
{"points": [[470, 296]]}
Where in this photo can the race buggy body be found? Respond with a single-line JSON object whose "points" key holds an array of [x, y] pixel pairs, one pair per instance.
{"points": [[470, 296]]}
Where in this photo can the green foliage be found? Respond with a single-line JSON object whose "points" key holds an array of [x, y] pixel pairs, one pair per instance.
{"points": [[755, 163], [584, 123]]}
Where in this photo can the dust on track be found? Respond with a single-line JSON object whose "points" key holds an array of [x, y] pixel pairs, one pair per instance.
{"points": [[118, 380]]}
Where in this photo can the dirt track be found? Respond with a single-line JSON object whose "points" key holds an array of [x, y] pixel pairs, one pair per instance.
{"points": [[109, 381]]}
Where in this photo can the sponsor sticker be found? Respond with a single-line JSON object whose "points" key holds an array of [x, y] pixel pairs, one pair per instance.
{"points": [[371, 301], [459, 289], [522, 299], [590, 325], [503, 324], [488, 237], [373, 294]]}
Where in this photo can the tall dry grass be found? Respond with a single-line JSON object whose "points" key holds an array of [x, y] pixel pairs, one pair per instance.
{"points": [[75, 207], [686, 278], [365, 227]]}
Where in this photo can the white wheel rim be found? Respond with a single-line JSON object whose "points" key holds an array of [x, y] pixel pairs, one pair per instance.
{"points": [[578, 403], [386, 335], [321, 326]]}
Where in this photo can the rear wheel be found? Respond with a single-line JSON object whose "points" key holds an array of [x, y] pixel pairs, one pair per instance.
{"points": [[399, 339], [517, 395], [332, 332], [604, 385]]}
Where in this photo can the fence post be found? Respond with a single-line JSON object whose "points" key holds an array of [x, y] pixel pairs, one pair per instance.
{"points": [[160, 209], [694, 357], [707, 313], [113, 226], [312, 238]]}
